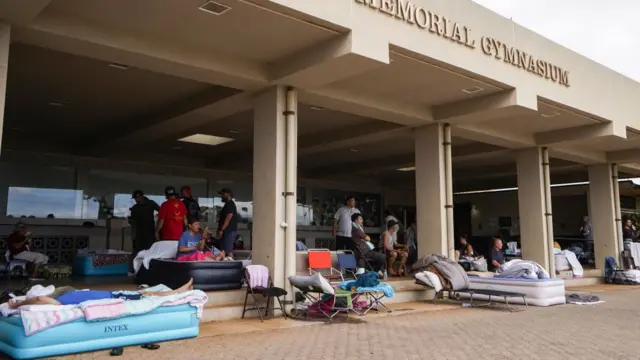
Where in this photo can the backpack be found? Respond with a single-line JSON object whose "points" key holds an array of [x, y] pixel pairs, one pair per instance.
{"points": [[193, 208]]}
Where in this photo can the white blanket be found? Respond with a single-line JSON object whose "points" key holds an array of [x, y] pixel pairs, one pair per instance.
{"points": [[576, 267], [522, 269], [635, 253], [159, 250]]}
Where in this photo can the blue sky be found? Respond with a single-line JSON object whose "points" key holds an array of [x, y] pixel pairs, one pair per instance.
{"points": [[604, 31], [62, 203]]}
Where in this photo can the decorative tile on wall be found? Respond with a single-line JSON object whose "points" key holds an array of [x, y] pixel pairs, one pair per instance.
{"points": [[325, 243]]}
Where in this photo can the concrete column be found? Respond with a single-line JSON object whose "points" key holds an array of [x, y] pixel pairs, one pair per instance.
{"points": [[606, 240], [269, 147], [431, 215], [5, 39], [534, 235]]}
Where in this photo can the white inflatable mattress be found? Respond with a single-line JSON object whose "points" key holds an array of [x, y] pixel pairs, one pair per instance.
{"points": [[544, 292]]}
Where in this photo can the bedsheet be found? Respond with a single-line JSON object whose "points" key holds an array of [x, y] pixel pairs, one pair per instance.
{"points": [[386, 289], [36, 319]]}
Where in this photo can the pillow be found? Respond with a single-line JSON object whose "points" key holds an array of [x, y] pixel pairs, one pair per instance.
{"points": [[430, 279], [316, 280]]}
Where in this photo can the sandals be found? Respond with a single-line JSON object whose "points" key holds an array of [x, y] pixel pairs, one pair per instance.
{"points": [[119, 351]]}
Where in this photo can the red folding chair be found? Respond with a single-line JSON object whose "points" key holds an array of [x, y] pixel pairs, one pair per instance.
{"points": [[320, 262]]}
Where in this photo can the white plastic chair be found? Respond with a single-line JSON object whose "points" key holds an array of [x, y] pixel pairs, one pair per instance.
{"points": [[11, 264]]}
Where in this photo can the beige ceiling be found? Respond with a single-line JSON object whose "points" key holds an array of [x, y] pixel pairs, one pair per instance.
{"points": [[548, 118], [95, 95], [408, 80], [613, 144], [246, 30]]}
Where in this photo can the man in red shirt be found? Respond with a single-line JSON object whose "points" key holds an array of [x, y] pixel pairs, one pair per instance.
{"points": [[172, 217]]}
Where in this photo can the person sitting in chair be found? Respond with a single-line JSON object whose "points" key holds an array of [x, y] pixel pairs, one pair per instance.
{"points": [[363, 245], [18, 244], [464, 248], [497, 257], [66, 295], [394, 250], [191, 245]]}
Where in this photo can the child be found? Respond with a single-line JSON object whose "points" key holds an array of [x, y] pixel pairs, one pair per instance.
{"points": [[191, 246]]}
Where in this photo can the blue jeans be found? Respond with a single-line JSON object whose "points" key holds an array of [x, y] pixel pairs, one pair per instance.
{"points": [[228, 238]]}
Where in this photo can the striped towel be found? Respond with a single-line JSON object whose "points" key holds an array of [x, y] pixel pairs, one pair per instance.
{"points": [[36, 321], [96, 310]]}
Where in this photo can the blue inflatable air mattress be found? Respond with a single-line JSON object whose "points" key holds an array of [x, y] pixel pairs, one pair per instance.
{"points": [[83, 265], [163, 324]]}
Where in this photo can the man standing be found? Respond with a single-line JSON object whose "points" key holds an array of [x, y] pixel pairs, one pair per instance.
{"points": [[172, 217], [143, 223], [193, 208], [342, 224], [228, 222]]}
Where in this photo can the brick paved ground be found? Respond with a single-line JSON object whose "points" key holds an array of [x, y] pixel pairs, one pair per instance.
{"points": [[605, 331]]}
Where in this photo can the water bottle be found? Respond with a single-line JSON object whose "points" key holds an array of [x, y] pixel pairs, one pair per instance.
{"points": [[384, 276]]}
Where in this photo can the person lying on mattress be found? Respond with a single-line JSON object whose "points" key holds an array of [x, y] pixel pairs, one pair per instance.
{"points": [[191, 246], [66, 295]]}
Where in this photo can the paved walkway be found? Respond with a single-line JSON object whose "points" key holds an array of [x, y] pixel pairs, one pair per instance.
{"points": [[605, 331]]}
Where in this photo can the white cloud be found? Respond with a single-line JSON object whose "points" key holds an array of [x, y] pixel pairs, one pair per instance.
{"points": [[604, 31]]}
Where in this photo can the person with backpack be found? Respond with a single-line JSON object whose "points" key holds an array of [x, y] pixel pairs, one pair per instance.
{"points": [[193, 208]]}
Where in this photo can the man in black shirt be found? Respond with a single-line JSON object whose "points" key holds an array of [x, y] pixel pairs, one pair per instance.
{"points": [[228, 222], [497, 257], [193, 208], [143, 223]]}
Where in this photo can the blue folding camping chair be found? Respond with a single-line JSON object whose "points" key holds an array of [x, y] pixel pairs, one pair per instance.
{"points": [[348, 264]]}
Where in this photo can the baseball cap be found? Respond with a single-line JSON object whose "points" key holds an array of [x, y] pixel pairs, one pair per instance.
{"points": [[137, 193], [391, 223], [225, 191], [170, 191]]}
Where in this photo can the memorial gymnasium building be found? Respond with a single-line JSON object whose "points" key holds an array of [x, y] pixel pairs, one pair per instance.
{"points": [[423, 108]]}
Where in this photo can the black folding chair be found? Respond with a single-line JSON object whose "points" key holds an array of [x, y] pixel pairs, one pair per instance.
{"points": [[263, 292]]}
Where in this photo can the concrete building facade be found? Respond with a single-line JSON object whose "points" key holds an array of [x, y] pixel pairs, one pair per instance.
{"points": [[421, 97]]}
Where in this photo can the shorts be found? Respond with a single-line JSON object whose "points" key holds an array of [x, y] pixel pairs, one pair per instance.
{"points": [[127, 295], [195, 256], [32, 257], [228, 238]]}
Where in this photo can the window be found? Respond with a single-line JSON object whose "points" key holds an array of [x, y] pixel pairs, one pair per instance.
{"points": [[117, 186], [122, 204], [50, 203]]}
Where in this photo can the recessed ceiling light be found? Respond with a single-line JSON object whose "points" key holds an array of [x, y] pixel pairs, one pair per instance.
{"points": [[354, 150], [234, 131], [317, 108], [472, 90], [119, 66], [57, 103], [204, 139], [550, 115], [410, 168], [214, 8]]}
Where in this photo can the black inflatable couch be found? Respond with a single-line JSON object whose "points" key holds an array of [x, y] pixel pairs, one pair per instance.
{"points": [[207, 275]]}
